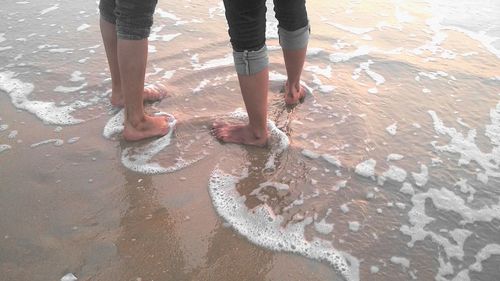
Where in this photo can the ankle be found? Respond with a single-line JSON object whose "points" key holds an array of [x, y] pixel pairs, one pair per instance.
{"points": [[136, 121], [258, 133]]}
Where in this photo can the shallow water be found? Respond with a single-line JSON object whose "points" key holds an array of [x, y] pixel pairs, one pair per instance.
{"points": [[390, 169]]}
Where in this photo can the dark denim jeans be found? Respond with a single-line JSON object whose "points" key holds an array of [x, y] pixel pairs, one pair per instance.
{"points": [[247, 20], [133, 18]]}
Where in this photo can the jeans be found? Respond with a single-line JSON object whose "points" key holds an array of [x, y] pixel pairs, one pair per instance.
{"points": [[133, 18], [247, 20]]}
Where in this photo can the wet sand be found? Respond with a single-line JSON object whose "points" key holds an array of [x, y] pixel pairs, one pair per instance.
{"points": [[388, 85]]}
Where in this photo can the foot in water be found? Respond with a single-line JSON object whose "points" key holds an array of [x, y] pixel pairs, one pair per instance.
{"points": [[149, 126], [151, 93], [294, 95], [239, 134]]}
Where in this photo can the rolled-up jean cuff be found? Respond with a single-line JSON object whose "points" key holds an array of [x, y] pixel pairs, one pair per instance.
{"points": [[132, 33], [250, 62], [294, 40]]}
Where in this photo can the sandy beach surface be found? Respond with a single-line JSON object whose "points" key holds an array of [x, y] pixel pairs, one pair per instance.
{"points": [[390, 169]]}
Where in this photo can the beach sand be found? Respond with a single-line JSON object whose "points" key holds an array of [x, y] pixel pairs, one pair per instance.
{"points": [[392, 162]]}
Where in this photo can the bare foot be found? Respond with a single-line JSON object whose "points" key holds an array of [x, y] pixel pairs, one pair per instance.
{"points": [[294, 95], [151, 93], [150, 126], [240, 134]]}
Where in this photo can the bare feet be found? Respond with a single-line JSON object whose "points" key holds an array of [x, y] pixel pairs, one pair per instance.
{"points": [[151, 93], [294, 95], [150, 126], [240, 134]]}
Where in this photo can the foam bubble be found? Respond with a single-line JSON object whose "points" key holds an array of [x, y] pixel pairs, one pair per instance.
{"points": [[484, 254], [211, 64], [83, 27], [404, 262], [407, 188], [392, 129], [332, 160], [265, 228], [4, 147], [395, 173], [49, 9], [354, 30], [354, 226], [114, 124], [444, 199], [48, 112], [467, 148], [394, 157], [422, 177], [343, 57], [310, 154], [12, 134], [366, 168], [56, 142], [63, 89]]}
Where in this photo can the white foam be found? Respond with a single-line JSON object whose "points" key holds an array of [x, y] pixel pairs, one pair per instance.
{"points": [[467, 148], [276, 185], [69, 277], [219, 10], [394, 157], [2, 38], [407, 188], [366, 168], [48, 112], [403, 16], [56, 142], [66, 90], [395, 173], [202, 85], [365, 66], [446, 200], [310, 154], [344, 208], [392, 129], [215, 63], [165, 14], [12, 134], [137, 159], [155, 36], [323, 227], [76, 76], [404, 262], [354, 30], [49, 9], [4, 147], [343, 57], [82, 27], [465, 188], [422, 177], [61, 50], [326, 72], [73, 140], [276, 76], [114, 124], [484, 254], [354, 226], [265, 228]]}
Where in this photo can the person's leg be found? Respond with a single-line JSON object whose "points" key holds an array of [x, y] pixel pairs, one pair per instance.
{"points": [[246, 20], [109, 37], [294, 36], [134, 20]]}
